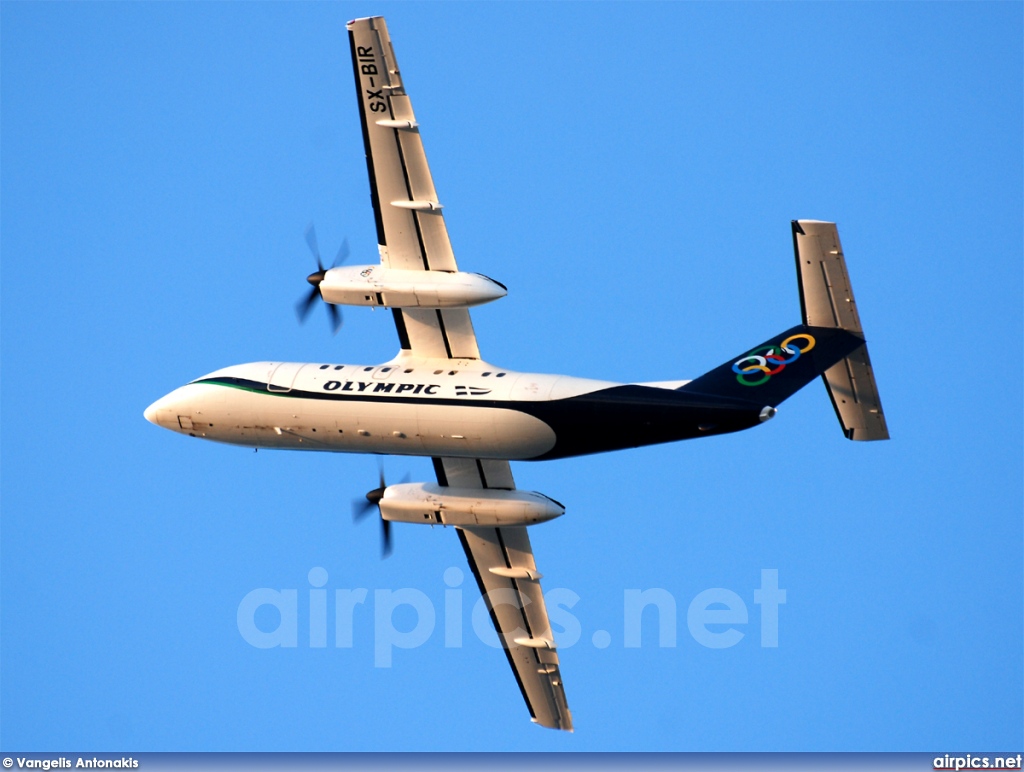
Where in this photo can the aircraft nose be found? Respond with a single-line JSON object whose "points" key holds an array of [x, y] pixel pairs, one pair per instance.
{"points": [[162, 412], [167, 411]]}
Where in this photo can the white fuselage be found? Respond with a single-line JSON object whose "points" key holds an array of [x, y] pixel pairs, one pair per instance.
{"points": [[404, 407]]}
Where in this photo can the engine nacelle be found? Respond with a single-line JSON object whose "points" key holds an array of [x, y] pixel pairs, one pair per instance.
{"points": [[438, 505], [375, 285]]}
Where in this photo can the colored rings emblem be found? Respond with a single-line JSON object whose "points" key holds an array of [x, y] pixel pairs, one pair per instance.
{"points": [[759, 365]]}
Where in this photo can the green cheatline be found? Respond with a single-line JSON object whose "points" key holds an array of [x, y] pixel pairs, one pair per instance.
{"points": [[228, 384], [255, 388]]}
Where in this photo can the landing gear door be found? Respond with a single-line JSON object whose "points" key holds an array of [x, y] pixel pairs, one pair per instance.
{"points": [[282, 376]]}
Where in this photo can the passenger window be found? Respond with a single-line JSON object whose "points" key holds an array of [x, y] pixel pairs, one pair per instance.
{"points": [[500, 375]]}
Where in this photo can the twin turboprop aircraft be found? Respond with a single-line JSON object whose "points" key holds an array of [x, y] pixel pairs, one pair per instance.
{"points": [[439, 398]]}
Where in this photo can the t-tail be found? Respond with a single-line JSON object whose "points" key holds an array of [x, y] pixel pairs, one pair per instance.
{"points": [[829, 343]]}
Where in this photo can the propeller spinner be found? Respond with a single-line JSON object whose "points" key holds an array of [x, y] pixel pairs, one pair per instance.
{"points": [[305, 305], [362, 507]]}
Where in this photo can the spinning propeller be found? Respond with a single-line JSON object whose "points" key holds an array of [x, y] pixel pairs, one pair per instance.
{"points": [[361, 508], [305, 305]]}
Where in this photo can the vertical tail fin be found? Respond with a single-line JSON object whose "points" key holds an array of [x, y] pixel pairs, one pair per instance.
{"points": [[829, 343], [779, 367]]}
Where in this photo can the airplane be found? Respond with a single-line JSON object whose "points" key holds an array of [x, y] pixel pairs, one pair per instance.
{"points": [[438, 398]]}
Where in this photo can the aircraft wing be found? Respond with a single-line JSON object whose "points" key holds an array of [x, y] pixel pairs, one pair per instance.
{"points": [[411, 235], [502, 562], [411, 232]]}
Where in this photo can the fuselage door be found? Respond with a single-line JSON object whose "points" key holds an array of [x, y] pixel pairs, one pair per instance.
{"points": [[383, 372], [282, 376]]}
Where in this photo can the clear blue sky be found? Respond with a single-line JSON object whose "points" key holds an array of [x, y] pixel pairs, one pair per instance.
{"points": [[629, 171]]}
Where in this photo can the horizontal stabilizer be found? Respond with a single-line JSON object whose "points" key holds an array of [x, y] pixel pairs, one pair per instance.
{"points": [[851, 386], [826, 300]]}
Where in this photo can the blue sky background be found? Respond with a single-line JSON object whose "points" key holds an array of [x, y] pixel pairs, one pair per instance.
{"points": [[629, 171]]}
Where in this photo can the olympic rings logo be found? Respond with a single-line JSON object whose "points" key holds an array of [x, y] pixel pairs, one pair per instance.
{"points": [[764, 362]]}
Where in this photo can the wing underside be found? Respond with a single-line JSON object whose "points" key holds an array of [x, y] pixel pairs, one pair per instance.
{"points": [[412, 235], [502, 562], [411, 232]]}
